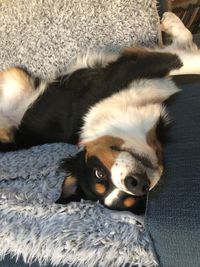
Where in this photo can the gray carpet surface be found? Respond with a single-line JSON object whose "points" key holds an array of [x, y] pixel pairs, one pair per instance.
{"points": [[44, 35]]}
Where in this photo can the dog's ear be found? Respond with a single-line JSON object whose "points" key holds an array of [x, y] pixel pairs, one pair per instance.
{"points": [[72, 166], [69, 191]]}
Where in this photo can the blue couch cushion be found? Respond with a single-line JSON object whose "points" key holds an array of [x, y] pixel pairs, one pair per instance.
{"points": [[173, 214]]}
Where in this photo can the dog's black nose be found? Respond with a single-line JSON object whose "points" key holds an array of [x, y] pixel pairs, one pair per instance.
{"points": [[137, 184]]}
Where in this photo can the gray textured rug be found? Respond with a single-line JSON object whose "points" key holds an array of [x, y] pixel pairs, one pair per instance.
{"points": [[44, 36]]}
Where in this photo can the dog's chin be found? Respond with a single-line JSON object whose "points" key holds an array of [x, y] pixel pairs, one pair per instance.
{"points": [[137, 207]]}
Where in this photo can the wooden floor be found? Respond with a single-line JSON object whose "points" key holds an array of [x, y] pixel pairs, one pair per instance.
{"points": [[189, 12], [190, 17]]}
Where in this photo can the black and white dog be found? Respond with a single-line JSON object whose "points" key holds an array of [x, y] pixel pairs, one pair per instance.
{"points": [[112, 105]]}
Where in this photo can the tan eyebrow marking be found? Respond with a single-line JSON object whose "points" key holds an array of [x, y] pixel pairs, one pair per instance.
{"points": [[129, 202], [100, 188]]}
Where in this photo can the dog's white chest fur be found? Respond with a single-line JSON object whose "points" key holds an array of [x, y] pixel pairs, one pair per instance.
{"points": [[131, 112]]}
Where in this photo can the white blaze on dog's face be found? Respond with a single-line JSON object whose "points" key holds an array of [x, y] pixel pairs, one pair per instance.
{"points": [[127, 170], [138, 166]]}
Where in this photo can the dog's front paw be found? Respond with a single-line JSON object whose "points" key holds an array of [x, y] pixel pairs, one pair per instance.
{"points": [[172, 25], [181, 36]]}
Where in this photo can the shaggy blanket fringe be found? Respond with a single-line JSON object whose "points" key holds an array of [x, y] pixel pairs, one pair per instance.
{"points": [[44, 36]]}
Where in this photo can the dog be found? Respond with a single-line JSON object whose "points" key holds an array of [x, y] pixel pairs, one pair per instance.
{"points": [[112, 106]]}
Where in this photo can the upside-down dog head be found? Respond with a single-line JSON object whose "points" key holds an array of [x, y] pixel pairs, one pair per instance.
{"points": [[89, 177], [107, 171]]}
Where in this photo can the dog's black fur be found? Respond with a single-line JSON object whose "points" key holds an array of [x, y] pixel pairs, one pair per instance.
{"points": [[57, 114]]}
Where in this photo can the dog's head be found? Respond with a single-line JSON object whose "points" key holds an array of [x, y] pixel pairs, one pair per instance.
{"points": [[113, 171]]}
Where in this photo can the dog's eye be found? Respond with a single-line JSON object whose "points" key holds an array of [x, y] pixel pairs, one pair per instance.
{"points": [[115, 148], [100, 174]]}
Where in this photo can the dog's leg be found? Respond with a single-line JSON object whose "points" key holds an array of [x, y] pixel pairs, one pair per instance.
{"points": [[17, 93], [182, 44], [13, 82]]}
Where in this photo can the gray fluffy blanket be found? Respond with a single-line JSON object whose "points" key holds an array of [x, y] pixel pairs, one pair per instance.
{"points": [[44, 35], [82, 233]]}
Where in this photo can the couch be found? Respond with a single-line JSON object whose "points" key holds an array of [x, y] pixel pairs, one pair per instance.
{"points": [[173, 217]]}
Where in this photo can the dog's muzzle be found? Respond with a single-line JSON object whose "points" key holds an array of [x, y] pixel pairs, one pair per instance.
{"points": [[137, 184]]}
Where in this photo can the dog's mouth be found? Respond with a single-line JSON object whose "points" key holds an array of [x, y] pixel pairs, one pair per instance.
{"points": [[141, 158]]}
